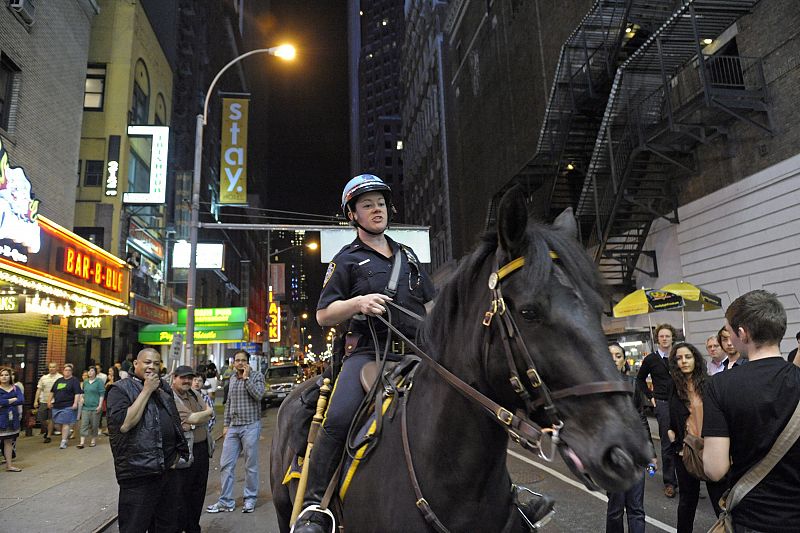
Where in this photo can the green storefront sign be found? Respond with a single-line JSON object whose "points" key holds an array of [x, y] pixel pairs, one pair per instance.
{"points": [[162, 333], [215, 315]]}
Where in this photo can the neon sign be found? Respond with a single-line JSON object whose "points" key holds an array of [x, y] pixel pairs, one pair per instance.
{"points": [[18, 209], [89, 268], [12, 303], [274, 314]]}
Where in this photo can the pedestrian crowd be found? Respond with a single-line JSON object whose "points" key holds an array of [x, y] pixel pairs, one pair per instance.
{"points": [[718, 419]]}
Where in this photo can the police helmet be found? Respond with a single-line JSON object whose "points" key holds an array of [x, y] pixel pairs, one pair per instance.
{"points": [[361, 184]]}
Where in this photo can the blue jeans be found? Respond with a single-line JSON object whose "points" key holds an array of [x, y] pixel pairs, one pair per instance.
{"points": [[237, 439], [632, 502]]}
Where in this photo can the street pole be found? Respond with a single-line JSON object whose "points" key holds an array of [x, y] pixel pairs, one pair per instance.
{"points": [[284, 51], [191, 279]]}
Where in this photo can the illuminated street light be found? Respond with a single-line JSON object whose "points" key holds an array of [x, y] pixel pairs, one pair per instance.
{"points": [[284, 51]]}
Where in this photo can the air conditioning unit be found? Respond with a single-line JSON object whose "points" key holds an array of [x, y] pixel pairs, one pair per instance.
{"points": [[24, 8]]}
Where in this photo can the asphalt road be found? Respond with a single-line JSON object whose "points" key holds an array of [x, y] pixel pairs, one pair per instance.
{"points": [[577, 509]]}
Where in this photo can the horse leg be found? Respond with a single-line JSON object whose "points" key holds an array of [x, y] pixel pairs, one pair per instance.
{"points": [[281, 494]]}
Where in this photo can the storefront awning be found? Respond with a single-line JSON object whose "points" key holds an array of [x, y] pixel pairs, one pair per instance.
{"points": [[203, 334]]}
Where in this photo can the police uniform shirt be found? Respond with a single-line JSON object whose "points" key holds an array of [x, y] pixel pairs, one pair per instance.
{"points": [[358, 270]]}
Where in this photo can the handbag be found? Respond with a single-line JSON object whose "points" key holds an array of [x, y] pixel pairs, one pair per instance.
{"points": [[756, 474], [692, 455]]}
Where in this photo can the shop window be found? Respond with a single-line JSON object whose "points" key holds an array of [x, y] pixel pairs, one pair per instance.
{"points": [[8, 74], [94, 90], [93, 176]]}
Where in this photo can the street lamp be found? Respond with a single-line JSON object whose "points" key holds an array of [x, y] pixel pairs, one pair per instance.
{"points": [[286, 52]]}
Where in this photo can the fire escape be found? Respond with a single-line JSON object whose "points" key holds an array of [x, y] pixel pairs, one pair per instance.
{"points": [[609, 33], [666, 99]]}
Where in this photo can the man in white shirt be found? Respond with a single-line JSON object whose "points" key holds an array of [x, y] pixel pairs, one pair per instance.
{"points": [[40, 400]]}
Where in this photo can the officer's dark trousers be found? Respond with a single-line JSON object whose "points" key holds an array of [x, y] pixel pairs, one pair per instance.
{"points": [[151, 504], [346, 397], [193, 481]]}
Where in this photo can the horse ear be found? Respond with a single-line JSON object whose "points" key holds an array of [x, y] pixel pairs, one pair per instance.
{"points": [[512, 219], [566, 223]]}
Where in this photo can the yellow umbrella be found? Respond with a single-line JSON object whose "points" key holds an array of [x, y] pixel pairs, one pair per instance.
{"points": [[696, 299], [645, 301]]}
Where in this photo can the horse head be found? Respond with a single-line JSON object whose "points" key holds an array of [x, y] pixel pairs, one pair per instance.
{"points": [[538, 347]]}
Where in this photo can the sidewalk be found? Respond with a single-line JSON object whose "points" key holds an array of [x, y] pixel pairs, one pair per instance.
{"points": [[75, 490]]}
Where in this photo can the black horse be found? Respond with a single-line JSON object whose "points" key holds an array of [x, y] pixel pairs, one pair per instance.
{"points": [[459, 453]]}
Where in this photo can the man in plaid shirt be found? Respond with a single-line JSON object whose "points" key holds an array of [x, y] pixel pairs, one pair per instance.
{"points": [[242, 429]]}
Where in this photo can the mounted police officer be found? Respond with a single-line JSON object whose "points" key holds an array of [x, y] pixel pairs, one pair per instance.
{"points": [[355, 288]]}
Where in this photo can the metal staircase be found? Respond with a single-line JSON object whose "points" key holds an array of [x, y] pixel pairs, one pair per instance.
{"points": [[666, 98], [587, 62]]}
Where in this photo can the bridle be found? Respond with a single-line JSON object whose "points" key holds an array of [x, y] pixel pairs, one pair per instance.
{"points": [[509, 331], [519, 427]]}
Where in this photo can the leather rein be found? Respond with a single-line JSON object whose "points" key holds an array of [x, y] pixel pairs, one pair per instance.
{"points": [[519, 427]]}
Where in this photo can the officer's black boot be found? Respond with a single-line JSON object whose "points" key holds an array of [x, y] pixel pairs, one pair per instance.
{"points": [[536, 509], [325, 456]]}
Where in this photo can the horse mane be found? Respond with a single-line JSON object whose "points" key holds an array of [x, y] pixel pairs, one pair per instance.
{"points": [[467, 288]]}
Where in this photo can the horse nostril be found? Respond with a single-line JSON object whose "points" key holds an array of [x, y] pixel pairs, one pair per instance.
{"points": [[618, 460]]}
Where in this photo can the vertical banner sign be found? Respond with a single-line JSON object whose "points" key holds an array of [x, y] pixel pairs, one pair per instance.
{"points": [[274, 314], [233, 161]]}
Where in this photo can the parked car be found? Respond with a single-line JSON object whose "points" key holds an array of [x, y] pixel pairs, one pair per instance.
{"points": [[279, 382]]}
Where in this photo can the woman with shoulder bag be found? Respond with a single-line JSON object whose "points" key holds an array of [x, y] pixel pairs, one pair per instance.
{"points": [[689, 379]]}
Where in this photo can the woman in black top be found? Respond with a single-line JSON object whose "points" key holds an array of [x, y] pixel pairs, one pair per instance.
{"points": [[689, 379]]}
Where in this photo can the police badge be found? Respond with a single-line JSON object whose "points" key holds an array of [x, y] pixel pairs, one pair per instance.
{"points": [[329, 273]]}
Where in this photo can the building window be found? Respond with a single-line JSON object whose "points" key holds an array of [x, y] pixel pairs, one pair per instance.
{"points": [[138, 174], [94, 88], [139, 106], [8, 72], [140, 101], [94, 173]]}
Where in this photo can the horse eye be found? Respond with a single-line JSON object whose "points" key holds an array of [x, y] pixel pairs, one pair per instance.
{"points": [[529, 314]]}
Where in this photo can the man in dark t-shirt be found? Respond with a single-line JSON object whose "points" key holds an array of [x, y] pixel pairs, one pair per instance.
{"points": [[64, 398], [747, 407]]}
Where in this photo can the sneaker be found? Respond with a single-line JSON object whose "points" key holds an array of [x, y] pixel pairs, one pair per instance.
{"points": [[63, 445], [56, 433], [47, 440], [219, 508], [249, 507]]}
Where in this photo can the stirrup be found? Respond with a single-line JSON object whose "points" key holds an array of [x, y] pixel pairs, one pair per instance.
{"points": [[316, 508], [540, 521]]}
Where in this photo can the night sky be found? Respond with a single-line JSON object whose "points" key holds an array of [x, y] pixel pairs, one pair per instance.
{"points": [[298, 136], [299, 123]]}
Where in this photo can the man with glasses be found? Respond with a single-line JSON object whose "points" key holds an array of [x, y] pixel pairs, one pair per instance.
{"points": [[242, 429], [40, 401]]}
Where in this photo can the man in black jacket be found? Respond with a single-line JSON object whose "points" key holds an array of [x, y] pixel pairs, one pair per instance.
{"points": [[146, 441], [656, 365]]}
